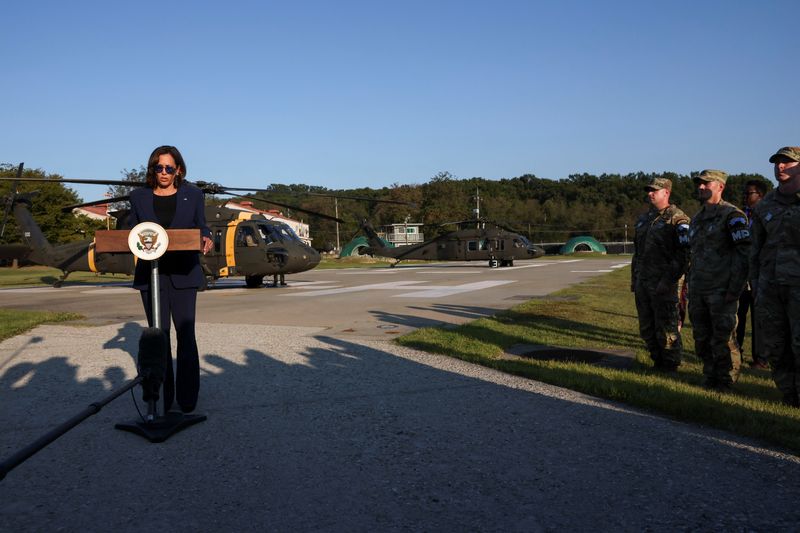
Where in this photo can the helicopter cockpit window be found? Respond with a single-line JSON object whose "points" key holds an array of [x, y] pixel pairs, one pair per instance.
{"points": [[266, 233], [289, 233], [472, 246], [483, 245], [246, 236]]}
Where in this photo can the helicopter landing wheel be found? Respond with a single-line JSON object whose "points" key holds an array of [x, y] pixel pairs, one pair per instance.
{"points": [[254, 282]]}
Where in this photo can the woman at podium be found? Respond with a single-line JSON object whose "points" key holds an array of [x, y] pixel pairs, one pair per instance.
{"points": [[173, 203]]}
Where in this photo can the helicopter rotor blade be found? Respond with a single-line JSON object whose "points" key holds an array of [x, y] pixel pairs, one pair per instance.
{"points": [[363, 199], [68, 208], [216, 188], [499, 225], [81, 181], [211, 188], [11, 199], [287, 206]]}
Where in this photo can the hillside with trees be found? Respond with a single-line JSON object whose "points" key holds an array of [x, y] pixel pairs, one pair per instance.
{"points": [[545, 210]]}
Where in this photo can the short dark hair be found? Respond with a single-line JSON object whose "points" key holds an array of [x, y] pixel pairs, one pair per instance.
{"points": [[760, 185], [153, 161]]}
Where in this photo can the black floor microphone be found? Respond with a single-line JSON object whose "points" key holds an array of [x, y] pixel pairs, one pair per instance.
{"points": [[152, 366]]}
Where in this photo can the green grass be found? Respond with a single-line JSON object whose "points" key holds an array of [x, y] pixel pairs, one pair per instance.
{"points": [[15, 322], [600, 314], [36, 276]]}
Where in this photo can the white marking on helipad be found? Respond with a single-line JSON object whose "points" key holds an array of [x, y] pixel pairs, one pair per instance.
{"points": [[620, 265], [359, 271], [29, 290], [392, 285], [448, 290], [534, 265], [589, 271], [110, 290], [230, 291], [464, 271], [307, 284]]}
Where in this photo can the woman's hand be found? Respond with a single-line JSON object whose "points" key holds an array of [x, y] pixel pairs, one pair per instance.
{"points": [[207, 244]]}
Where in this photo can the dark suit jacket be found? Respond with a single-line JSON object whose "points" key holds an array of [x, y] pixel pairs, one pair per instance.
{"points": [[189, 213]]}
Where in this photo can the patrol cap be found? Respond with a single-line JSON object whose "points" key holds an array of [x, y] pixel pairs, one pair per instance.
{"points": [[712, 175], [792, 152], [659, 183]]}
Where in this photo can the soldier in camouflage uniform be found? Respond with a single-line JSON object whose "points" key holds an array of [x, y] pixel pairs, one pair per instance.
{"points": [[660, 254], [775, 273], [720, 241]]}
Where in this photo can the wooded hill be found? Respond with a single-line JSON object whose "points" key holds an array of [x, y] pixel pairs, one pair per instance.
{"points": [[545, 210], [542, 209]]}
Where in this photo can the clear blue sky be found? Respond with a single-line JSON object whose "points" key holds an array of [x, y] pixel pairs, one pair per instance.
{"points": [[348, 94]]}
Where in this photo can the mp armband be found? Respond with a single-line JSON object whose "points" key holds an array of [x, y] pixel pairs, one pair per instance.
{"points": [[739, 231]]}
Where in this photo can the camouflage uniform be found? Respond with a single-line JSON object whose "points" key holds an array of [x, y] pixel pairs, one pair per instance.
{"points": [[720, 242], [659, 260], [775, 279]]}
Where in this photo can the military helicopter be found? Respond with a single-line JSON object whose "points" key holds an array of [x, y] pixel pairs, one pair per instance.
{"points": [[245, 244], [487, 241]]}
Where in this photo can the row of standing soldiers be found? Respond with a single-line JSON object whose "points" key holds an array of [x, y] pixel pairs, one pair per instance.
{"points": [[726, 256]]}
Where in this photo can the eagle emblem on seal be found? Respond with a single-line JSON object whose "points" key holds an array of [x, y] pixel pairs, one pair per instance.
{"points": [[148, 241]]}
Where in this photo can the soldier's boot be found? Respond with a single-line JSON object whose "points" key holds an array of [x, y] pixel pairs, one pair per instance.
{"points": [[670, 361], [667, 367], [656, 358], [724, 386], [790, 398]]}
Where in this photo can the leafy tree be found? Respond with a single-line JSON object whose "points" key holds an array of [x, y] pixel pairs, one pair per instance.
{"points": [[46, 206]]}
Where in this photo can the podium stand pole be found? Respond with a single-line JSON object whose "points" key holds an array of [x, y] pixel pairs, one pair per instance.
{"points": [[155, 302]]}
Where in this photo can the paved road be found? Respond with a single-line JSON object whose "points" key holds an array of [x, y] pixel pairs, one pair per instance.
{"points": [[357, 302], [313, 429]]}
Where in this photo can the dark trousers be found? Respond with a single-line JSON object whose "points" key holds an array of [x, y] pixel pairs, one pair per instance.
{"points": [[713, 325], [658, 324], [745, 306], [179, 305]]}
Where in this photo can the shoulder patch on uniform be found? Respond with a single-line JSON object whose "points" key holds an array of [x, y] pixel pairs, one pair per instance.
{"points": [[683, 233], [737, 220]]}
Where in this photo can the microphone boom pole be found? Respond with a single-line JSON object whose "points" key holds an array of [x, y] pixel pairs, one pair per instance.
{"points": [[93, 408]]}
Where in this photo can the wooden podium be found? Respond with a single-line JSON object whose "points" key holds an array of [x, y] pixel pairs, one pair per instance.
{"points": [[116, 240]]}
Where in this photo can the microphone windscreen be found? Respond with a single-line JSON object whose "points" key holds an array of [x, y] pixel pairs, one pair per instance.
{"points": [[153, 351]]}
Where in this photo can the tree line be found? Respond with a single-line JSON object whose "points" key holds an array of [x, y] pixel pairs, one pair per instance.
{"points": [[605, 207]]}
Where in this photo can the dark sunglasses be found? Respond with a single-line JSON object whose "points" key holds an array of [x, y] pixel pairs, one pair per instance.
{"points": [[161, 168]]}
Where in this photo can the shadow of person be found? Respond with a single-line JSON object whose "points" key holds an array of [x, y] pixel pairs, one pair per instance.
{"points": [[30, 342], [126, 339]]}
